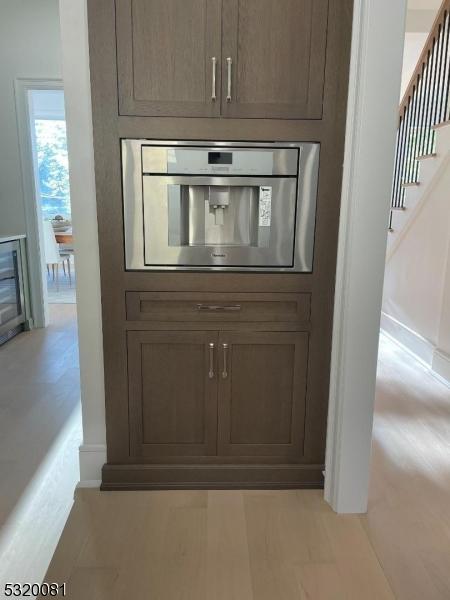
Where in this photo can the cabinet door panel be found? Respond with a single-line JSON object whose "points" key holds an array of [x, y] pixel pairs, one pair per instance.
{"points": [[262, 393], [165, 50], [172, 399], [277, 49]]}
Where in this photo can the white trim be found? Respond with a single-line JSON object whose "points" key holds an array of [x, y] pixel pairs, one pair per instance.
{"points": [[414, 343], [77, 95], [440, 366], [35, 257], [94, 483], [436, 361], [92, 459], [375, 77]]}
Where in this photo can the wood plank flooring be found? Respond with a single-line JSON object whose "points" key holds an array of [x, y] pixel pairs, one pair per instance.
{"points": [[215, 545], [40, 431], [408, 520]]}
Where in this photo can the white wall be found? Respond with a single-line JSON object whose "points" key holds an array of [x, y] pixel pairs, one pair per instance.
{"points": [[84, 217], [414, 44], [29, 48], [416, 298], [419, 20]]}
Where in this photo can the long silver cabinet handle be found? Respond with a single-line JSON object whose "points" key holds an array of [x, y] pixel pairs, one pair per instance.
{"points": [[218, 308], [225, 355], [229, 63], [213, 92], [211, 361]]}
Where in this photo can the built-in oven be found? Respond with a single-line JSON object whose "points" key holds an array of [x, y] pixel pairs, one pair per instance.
{"points": [[12, 310], [219, 206]]}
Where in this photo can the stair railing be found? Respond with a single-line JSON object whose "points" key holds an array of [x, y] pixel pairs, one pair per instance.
{"points": [[425, 105]]}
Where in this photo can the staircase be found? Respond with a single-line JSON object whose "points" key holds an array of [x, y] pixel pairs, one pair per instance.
{"points": [[430, 171], [423, 136]]}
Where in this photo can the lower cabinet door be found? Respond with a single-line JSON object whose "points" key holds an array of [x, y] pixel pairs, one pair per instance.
{"points": [[262, 388], [172, 393]]}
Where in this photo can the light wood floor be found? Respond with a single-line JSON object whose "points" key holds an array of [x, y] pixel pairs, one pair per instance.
{"points": [[215, 545], [40, 430], [408, 520]]}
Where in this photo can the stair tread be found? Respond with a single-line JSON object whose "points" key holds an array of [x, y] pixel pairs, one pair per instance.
{"points": [[439, 125], [425, 156], [411, 184]]}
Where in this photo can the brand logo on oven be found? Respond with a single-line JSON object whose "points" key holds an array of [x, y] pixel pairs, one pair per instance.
{"points": [[218, 255]]}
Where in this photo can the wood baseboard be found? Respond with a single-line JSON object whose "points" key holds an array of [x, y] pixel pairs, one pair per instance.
{"points": [[160, 477]]}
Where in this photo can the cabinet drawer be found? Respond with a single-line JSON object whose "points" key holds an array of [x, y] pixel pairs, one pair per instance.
{"points": [[187, 306]]}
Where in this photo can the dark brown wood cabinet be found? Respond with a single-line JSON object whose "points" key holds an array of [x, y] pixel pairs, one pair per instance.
{"points": [[262, 393], [230, 58], [165, 51], [211, 393], [172, 397], [277, 51], [168, 423]]}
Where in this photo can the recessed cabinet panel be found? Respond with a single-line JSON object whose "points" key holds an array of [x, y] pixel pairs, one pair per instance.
{"points": [[165, 51], [206, 307], [172, 393], [221, 58], [277, 51], [262, 393]]}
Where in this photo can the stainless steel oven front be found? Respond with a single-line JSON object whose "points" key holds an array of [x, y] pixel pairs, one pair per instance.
{"points": [[219, 205]]}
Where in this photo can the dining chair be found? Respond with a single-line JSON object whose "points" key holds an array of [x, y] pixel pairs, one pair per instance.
{"points": [[53, 256]]}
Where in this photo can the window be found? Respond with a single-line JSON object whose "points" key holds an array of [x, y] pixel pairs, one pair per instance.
{"points": [[53, 167]]}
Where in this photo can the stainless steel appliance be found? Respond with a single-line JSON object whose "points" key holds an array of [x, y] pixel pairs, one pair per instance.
{"points": [[219, 205], [12, 311]]}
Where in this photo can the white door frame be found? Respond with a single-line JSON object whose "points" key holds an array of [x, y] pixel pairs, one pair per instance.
{"points": [[372, 118], [33, 219]]}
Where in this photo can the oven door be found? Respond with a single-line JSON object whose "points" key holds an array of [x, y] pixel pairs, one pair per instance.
{"points": [[219, 222]]}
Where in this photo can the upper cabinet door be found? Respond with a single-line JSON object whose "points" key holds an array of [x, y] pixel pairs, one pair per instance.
{"points": [[273, 58], [165, 53]]}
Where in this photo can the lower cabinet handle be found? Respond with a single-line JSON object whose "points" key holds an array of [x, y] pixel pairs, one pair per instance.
{"points": [[211, 361], [225, 356]]}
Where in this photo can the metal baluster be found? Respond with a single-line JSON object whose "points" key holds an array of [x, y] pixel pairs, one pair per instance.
{"points": [[432, 97], [404, 178], [401, 158], [426, 92], [417, 127], [438, 86], [423, 84], [428, 102], [396, 165], [412, 135], [446, 79]]}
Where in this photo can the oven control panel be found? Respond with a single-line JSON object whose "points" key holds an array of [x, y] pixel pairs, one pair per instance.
{"points": [[179, 160]]}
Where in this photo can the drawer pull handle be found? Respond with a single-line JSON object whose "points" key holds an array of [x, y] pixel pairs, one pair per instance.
{"points": [[225, 369], [211, 361], [218, 308]]}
